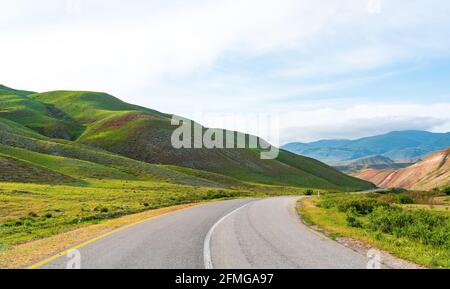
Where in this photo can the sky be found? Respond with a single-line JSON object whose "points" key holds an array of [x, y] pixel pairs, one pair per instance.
{"points": [[320, 69]]}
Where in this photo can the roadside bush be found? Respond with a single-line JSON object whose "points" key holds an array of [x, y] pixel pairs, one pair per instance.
{"points": [[426, 227], [389, 219], [352, 220], [405, 200], [219, 194], [358, 204], [309, 192], [362, 206]]}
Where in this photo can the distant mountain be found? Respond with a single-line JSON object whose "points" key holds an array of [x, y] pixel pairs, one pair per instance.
{"points": [[376, 162], [66, 135], [433, 172], [399, 146]]}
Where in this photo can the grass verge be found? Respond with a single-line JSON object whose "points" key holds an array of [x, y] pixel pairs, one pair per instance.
{"points": [[26, 254], [342, 224], [35, 218]]}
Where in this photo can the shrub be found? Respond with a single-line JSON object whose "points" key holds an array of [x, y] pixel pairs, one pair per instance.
{"points": [[397, 191], [426, 227], [389, 219], [352, 220], [363, 206], [425, 198], [446, 191], [404, 199], [309, 192], [48, 215], [359, 204], [219, 194]]}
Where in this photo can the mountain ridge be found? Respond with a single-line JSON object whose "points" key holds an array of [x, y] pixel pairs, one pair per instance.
{"points": [[374, 162], [400, 146]]}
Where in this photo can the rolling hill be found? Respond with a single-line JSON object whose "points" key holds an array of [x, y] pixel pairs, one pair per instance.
{"points": [[400, 146], [375, 162], [432, 172], [84, 135]]}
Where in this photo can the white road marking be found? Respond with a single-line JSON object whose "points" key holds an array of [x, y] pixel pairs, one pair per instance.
{"points": [[207, 244]]}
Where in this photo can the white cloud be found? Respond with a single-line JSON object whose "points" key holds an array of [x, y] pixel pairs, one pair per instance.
{"points": [[363, 120], [118, 53], [108, 50], [169, 55]]}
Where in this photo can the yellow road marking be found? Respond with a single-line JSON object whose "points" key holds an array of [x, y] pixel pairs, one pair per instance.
{"points": [[63, 253]]}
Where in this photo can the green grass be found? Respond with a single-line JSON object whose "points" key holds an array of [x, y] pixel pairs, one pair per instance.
{"points": [[94, 156], [143, 134], [14, 170], [416, 235], [30, 211], [44, 119], [66, 166], [9, 91], [89, 107], [16, 128]]}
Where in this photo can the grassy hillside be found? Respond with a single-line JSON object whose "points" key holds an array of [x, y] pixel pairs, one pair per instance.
{"points": [[42, 118], [14, 170], [143, 134], [9, 91], [95, 135], [87, 162]]}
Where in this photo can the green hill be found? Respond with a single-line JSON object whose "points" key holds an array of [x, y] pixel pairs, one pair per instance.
{"points": [[95, 135], [42, 118]]}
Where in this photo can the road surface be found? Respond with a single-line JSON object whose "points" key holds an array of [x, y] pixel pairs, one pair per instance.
{"points": [[237, 234]]}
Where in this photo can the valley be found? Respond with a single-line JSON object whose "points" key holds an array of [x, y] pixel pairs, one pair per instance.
{"points": [[71, 160]]}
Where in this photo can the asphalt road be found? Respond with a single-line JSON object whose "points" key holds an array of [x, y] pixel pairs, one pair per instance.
{"points": [[236, 234]]}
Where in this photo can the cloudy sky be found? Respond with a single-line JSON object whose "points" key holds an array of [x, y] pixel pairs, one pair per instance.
{"points": [[322, 68]]}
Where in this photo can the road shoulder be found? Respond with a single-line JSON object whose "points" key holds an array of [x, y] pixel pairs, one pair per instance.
{"points": [[28, 254], [360, 246]]}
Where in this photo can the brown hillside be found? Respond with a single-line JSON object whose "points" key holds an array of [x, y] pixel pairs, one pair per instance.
{"points": [[433, 172]]}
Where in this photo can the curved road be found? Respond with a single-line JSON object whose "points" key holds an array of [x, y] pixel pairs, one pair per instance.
{"points": [[238, 234]]}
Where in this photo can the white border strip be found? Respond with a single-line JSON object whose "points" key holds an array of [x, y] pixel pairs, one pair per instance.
{"points": [[207, 244]]}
